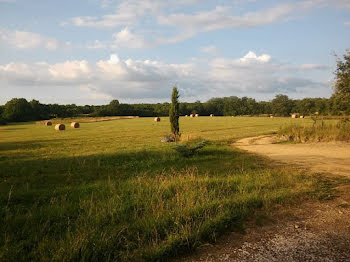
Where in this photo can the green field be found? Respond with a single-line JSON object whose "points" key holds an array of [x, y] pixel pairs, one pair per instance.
{"points": [[111, 191]]}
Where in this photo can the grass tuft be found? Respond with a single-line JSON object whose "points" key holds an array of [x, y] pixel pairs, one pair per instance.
{"points": [[189, 149]]}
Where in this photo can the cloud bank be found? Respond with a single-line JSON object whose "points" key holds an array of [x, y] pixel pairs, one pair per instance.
{"points": [[146, 80]]}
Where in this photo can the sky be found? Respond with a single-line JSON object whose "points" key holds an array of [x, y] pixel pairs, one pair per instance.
{"points": [[93, 51]]}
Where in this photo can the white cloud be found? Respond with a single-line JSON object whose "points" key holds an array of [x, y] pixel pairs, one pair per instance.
{"points": [[251, 56], [210, 50], [126, 39], [27, 40], [137, 80], [220, 17], [93, 93], [135, 17], [156, 15], [127, 14], [314, 67], [347, 23], [70, 70]]}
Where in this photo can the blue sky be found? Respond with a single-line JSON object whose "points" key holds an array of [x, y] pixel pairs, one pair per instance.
{"points": [[90, 52]]}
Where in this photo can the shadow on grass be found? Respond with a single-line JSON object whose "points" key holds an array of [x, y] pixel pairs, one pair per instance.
{"points": [[11, 129], [20, 145], [117, 207], [34, 178]]}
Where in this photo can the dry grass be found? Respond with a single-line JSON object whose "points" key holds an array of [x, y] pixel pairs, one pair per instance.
{"points": [[318, 132]]}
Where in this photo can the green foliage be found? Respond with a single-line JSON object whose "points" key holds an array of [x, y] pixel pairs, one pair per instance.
{"points": [[113, 108], [189, 149], [40, 111], [282, 105], [18, 110], [342, 83], [174, 114], [2, 120]]}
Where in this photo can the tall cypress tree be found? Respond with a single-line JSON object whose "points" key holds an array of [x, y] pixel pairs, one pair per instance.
{"points": [[174, 113]]}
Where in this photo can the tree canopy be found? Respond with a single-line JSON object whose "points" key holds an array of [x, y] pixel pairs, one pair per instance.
{"points": [[341, 97]]}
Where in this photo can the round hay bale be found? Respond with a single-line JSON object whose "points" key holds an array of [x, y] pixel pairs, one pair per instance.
{"points": [[295, 116], [211, 115], [74, 125], [271, 116], [191, 115], [196, 115], [186, 115], [157, 119], [48, 123], [60, 127]]}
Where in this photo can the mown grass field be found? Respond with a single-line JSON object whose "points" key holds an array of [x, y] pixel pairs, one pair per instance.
{"points": [[111, 191]]}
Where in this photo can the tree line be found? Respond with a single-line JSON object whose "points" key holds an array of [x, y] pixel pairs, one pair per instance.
{"points": [[19, 109]]}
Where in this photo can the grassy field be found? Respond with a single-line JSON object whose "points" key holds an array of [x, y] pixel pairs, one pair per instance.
{"points": [[111, 191]]}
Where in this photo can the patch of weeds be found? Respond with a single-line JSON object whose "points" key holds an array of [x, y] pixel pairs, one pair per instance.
{"points": [[326, 188], [189, 149], [344, 205]]}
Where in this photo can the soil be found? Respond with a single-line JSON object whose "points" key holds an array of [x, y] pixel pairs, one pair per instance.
{"points": [[313, 231], [318, 157]]}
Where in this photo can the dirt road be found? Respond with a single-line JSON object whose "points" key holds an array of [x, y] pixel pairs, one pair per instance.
{"points": [[320, 157], [315, 231]]}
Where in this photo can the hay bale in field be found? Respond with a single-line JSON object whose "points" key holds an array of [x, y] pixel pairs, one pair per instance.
{"points": [[60, 127], [271, 116], [295, 116], [157, 119], [211, 115], [302, 116], [48, 123], [196, 115], [191, 115], [186, 115], [74, 125]]}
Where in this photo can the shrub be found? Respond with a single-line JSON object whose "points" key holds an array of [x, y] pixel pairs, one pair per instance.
{"points": [[189, 149]]}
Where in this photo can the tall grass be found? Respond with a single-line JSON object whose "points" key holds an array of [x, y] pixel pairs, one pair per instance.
{"points": [[320, 131], [141, 218]]}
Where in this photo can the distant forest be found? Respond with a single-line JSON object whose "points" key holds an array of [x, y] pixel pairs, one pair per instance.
{"points": [[19, 109]]}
